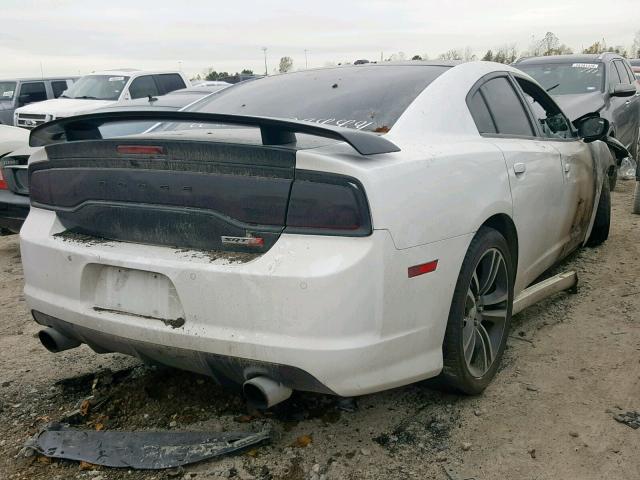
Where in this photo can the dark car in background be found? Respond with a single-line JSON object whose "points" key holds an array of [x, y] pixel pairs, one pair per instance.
{"points": [[18, 92], [582, 84]]}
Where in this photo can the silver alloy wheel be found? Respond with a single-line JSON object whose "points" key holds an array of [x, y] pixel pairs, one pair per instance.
{"points": [[485, 312]]}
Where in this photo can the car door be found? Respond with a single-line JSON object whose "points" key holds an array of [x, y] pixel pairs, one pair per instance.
{"points": [[143, 86], [578, 164], [620, 113], [633, 106], [534, 169], [31, 92]]}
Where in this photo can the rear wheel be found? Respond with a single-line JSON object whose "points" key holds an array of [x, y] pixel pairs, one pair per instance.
{"points": [[602, 222], [480, 314]]}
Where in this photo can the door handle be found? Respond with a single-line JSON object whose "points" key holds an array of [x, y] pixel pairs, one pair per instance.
{"points": [[519, 168], [567, 167]]}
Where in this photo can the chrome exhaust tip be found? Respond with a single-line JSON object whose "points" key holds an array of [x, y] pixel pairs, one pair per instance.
{"points": [[264, 393]]}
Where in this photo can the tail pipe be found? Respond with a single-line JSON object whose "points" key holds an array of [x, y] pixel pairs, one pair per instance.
{"points": [[264, 392], [55, 342]]}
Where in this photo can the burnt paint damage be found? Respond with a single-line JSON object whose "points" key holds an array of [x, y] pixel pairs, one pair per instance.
{"points": [[189, 196], [210, 255]]}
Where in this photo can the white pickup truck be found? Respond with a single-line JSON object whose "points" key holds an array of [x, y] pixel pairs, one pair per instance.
{"points": [[99, 90]]}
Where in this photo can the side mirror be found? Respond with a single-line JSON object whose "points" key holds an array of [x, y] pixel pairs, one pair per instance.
{"points": [[591, 129], [624, 90]]}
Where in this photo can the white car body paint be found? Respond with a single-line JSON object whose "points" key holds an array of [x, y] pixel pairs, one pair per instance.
{"points": [[68, 107], [341, 309], [12, 138]]}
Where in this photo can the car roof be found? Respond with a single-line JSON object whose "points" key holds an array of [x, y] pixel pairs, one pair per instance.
{"points": [[37, 79], [577, 58], [132, 72]]}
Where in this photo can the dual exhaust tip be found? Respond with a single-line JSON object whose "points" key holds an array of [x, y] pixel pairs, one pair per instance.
{"points": [[261, 392]]}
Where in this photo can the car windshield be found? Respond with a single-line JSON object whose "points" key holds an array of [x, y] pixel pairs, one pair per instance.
{"points": [[365, 97], [567, 78], [97, 87], [7, 90]]}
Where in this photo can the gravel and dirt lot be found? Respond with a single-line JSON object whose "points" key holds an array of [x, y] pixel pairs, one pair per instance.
{"points": [[572, 365]]}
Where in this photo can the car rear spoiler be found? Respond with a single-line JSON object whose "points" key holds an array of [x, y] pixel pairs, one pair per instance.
{"points": [[274, 131]]}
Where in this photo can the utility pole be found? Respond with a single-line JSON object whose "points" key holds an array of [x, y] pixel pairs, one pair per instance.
{"points": [[306, 63], [266, 70], [179, 65]]}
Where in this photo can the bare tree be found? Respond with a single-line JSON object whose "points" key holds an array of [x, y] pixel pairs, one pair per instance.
{"points": [[549, 43], [506, 54], [468, 55], [397, 57], [452, 54], [286, 64], [636, 45]]}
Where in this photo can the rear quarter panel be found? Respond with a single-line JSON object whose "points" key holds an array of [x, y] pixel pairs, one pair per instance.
{"points": [[437, 191]]}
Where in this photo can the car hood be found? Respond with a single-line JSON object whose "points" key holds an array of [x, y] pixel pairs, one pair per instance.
{"points": [[12, 138], [64, 107], [575, 106]]}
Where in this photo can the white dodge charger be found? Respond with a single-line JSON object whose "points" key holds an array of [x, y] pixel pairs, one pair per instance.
{"points": [[343, 230]]}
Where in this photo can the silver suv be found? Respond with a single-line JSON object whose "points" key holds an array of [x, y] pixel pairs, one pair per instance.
{"points": [[17, 92]]}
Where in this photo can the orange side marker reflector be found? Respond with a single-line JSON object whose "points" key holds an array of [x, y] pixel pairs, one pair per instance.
{"points": [[423, 268]]}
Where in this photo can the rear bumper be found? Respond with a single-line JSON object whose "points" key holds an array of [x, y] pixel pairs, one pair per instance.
{"points": [[341, 310], [13, 210]]}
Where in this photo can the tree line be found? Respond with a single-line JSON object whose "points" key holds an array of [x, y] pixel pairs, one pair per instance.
{"points": [[549, 44]]}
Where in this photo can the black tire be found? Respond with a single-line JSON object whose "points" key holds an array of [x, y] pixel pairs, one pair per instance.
{"points": [[602, 222], [613, 178], [456, 373]]}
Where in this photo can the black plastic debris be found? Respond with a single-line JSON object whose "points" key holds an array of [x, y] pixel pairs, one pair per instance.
{"points": [[630, 419], [139, 450]]}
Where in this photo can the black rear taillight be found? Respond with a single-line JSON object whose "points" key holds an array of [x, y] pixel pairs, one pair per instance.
{"points": [[327, 204]]}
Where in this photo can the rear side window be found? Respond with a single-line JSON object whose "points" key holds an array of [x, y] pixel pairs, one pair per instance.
{"points": [[168, 82], [622, 72], [480, 113], [506, 108], [143, 87], [615, 76], [35, 91], [58, 86]]}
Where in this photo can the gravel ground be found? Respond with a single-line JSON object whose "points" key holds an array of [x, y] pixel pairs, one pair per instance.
{"points": [[571, 366]]}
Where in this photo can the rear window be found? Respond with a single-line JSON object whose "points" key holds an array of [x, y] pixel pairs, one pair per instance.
{"points": [[568, 78], [364, 97], [7, 90]]}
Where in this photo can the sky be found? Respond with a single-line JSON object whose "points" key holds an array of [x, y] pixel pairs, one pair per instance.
{"points": [[71, 37]]}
